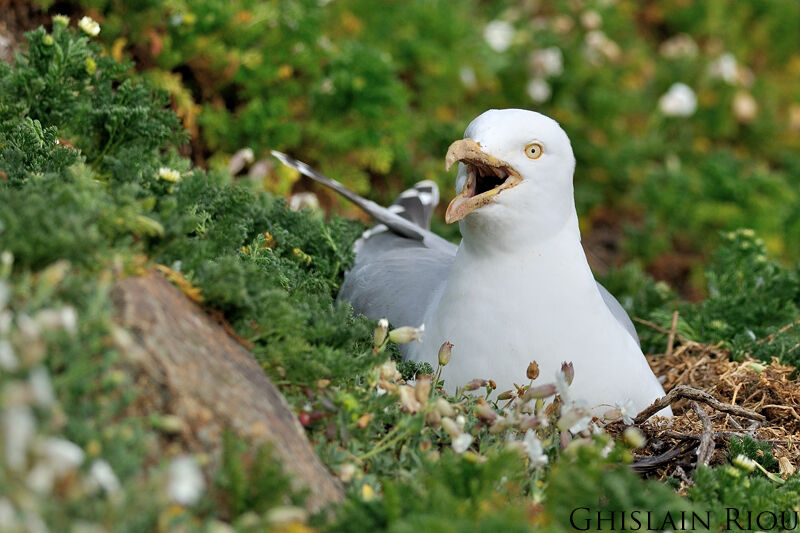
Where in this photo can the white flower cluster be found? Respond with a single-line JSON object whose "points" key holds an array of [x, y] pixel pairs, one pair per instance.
{"points": [[543, 63], [498, 35], [680, 100], [35, 461]]}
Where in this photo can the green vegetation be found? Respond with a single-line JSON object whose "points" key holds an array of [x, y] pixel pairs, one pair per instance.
{"points": [[93, 188], [373, 97]]}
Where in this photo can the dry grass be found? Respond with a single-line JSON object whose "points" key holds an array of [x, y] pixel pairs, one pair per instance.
{"points": [[713, 399]]}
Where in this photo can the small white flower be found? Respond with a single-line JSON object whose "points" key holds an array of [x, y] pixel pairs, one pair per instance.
{"points": [[89, 26], [304, 200], [468, 77], [745, 107], [744, 462], [546, 62], [539, 90], [185, 483], [499, 34], [681, 45], [65, 318], [607, 449], [241, 159], [18, 426], [41, 387], [580, 425], [598, 46], [8, 361], [102, 475], [347, 471], [627, 410], [591, 20], [634, 438], [327, 86], [5, 294], [563, 388], [724, 68], [678, 101], [406, 334], [8, 519], [533, 447], [6, 258], [169, 174], [462, 443], [62, 455]]}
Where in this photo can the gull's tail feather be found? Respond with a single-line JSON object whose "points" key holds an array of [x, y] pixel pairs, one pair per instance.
{"points": [[389, 218], [417, 203]]}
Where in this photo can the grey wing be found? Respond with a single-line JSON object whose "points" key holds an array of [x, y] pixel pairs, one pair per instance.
{"points": [[619, 312], [396, 278]]}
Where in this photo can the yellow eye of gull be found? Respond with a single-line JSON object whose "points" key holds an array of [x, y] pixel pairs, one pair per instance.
{"points": [[533, 151]]}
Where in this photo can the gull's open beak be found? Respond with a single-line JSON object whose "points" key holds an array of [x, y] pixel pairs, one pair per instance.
{"points": [[487, 176]]}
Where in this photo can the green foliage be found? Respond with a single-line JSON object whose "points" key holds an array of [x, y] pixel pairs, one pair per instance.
{"points": [[113, 196], [750, 297], [761, 452], [724, 488], [250, 480], [451, 494], [375, 96]]}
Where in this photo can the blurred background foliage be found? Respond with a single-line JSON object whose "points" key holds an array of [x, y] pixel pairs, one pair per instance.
{"points": [[373, 94], [685, 122]]}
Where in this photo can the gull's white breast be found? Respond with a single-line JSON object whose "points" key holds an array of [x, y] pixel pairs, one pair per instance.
{"points": [[505, 309]]}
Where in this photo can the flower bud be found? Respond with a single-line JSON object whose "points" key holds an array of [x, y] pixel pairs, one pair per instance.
{"points": [[444, 353], [433, 419], [406, 334], [407, 399], [499, 425], [542, 391], [452, 429], [475, 384], [506, 395], [569, 372], [444, 408], [533, 370], [379, 335], [485, 412], [388, 371], [634, 438], [387, 385], [422, 390]]}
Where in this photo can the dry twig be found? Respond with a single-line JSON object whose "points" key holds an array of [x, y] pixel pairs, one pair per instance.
{"points": [[690, 393], [706, 447]]}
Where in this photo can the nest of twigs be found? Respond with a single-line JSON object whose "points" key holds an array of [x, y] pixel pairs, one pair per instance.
{"points": [[714, 399]]}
